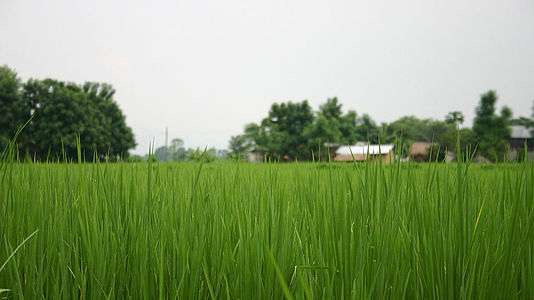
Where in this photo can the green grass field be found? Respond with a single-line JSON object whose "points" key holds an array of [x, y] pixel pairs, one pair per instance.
{"points": [[266, 231]]}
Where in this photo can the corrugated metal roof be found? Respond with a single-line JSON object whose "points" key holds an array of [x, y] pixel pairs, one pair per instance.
{"points": [[520, 132], [365, 149]]}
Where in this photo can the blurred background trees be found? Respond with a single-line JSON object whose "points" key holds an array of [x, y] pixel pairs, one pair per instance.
{"points": [[60, 114], [491, 130], [63, 114], [292, 131]]}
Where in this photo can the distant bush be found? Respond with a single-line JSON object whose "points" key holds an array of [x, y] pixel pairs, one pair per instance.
{"points": [[198, 155]]}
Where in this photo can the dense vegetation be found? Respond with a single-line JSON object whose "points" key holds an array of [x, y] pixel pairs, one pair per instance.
{"points": [[266, 231], [59, 116], [293, 131]]}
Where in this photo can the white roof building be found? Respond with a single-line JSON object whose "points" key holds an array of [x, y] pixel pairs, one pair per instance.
{"points": [[365, 149], [362, 152], [520, 132]]}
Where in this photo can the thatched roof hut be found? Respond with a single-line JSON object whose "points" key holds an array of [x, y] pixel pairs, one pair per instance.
{"points": [[419, 151]]}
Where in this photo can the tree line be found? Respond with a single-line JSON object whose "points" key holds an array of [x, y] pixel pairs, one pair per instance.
{"points": [[62, 118], [176, 151], [292, 131]]}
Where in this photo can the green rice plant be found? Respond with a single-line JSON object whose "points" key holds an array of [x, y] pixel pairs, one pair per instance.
{"points": [[263, 231]]}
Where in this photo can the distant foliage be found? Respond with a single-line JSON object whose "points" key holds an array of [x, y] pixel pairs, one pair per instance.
{"points": [[176, 151], [292, 131], [61, 114], [492, 130], [407, 130], [239, 146], [12, 107]]}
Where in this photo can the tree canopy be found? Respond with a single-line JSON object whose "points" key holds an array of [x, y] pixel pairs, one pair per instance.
{"points": [[63, 115], [292, 131], [491, 130]]}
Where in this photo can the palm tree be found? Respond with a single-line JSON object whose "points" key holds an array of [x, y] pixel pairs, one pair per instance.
{"points": [[455, 117]]}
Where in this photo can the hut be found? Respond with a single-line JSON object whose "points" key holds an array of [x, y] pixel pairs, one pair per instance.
{"points": [[419, 151], [365, 152], [519, 137], [425, 151], [255, 156]]}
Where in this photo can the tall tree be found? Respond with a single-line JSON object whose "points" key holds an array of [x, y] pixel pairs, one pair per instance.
{"points": [[65, 112], [332, 126], [281, 133], [239, 146], [14, 111], [367, 130], [409, 129], [60, 118], [491, 130], [326, 126], [338, 127], [455, 117]]}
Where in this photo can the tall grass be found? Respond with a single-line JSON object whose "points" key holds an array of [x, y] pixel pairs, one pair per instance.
{"points": [[305, 230]]}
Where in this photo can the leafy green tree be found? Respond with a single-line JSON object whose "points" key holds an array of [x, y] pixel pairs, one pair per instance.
{"points": [[349, 124], [338, 127], [66, 113], [409, 129], [239, 146], [14, 111], [320, 133], [525, 121], [326, 126], [292, 131], [331, 126], [463, 137], [280, 134], [61, 117], [522, 121], [492, 131], [405, 131], [118, 135], [367, 130], [456, 118]]}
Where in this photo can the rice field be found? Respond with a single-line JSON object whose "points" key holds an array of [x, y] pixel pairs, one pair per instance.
{"points": [[266, 231]]}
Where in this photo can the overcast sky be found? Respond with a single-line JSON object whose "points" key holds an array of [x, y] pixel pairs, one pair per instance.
{"points": [[206, 68]]}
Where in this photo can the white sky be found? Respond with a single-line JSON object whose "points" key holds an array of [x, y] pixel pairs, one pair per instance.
{"points": [[205, 68]]}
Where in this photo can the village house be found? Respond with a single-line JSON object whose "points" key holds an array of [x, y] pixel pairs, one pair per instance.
{"points": [[419, 151], [255, 156], [519, 137], [364, 152]]}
